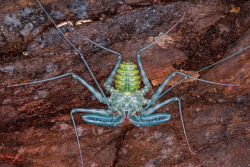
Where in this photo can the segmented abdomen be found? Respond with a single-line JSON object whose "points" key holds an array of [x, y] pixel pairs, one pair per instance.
{"points": [[127, 77]]}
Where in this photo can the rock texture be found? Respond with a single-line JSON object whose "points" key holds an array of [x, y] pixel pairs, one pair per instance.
{"points": [[35, 126]]}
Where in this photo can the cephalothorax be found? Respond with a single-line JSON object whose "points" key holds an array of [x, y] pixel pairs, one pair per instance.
{"points": [[127, 99]]}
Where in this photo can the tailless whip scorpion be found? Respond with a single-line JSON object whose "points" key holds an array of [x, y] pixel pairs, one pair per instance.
{"points": [[126, 100]]}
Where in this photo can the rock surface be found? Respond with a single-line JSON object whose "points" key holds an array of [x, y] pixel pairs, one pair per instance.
{"points": [[35, 126]]}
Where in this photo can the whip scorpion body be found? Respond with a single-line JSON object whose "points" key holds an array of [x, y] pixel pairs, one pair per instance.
{"points": [[126, 99]]}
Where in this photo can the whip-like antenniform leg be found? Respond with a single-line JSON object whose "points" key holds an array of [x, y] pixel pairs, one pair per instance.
{"points": [[97, 94], [119, 59], [82, 57], [157, 94], [138, 56], [173, 74], [148, 118]]}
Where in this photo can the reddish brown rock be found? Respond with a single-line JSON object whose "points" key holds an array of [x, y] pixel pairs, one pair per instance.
{"points": [[35, 127]]}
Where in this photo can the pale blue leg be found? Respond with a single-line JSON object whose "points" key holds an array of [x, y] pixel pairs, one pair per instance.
{"points": [[119, 59], [97, 94], [144, 75], [190, 76], [148, 119], [138, 56], [172, 75], [157, 106], [112, 75], [163, 85], [80, 110], [82, 57], [98, 117]]}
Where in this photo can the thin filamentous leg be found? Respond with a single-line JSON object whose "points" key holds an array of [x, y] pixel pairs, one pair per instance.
{"points": [[119, 59], [149, 119], [44, 80], [97, 94], [82, 57], [190, 76], [173, 74], [156, 107], [138, 56], [83, 110], [97, 112]]}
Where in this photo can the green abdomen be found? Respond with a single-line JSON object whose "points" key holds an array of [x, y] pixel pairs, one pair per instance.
{"points": [[127, 77]]}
